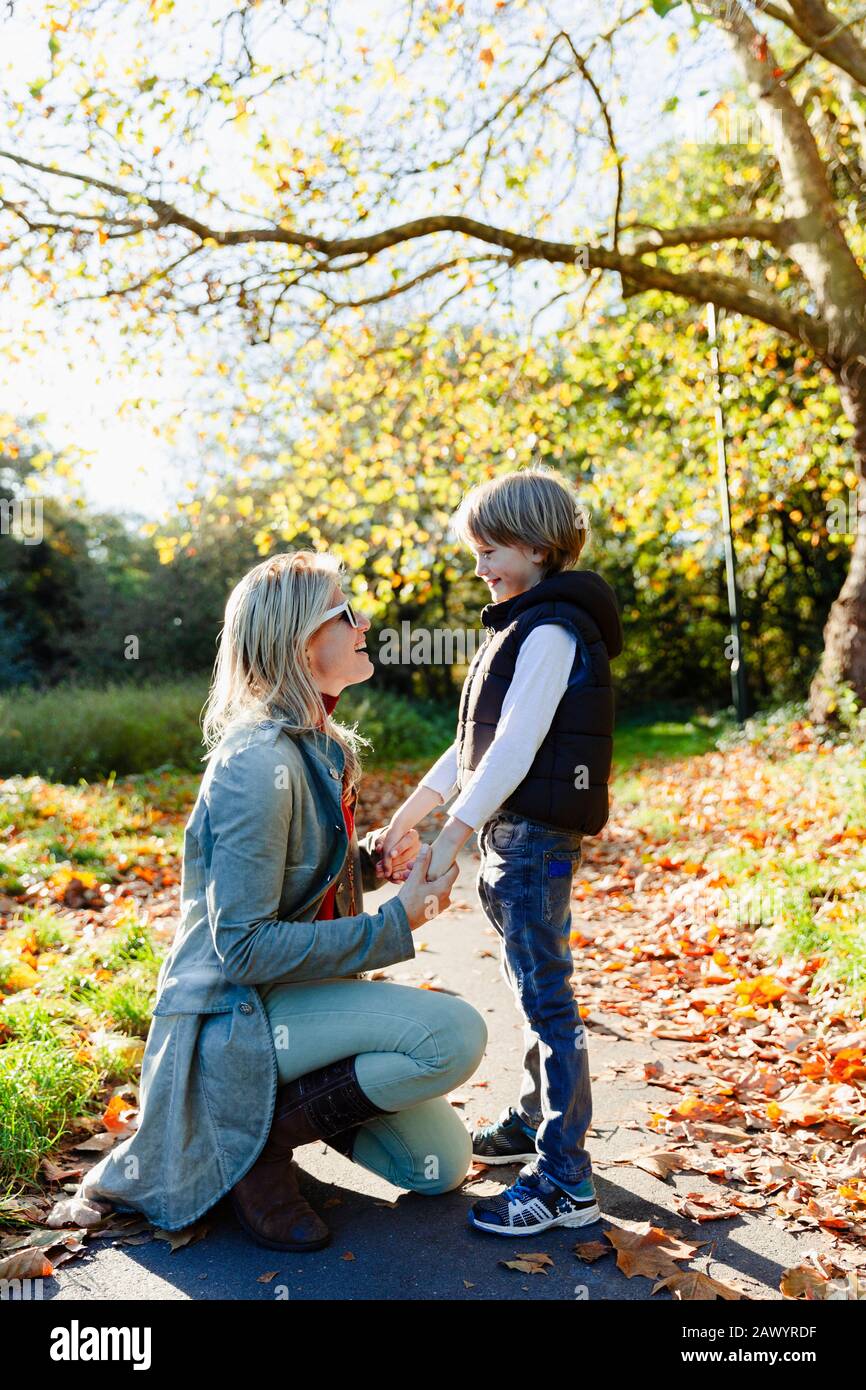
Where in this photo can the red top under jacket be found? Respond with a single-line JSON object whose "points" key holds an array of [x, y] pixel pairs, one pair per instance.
{"points": [[326, 911]]}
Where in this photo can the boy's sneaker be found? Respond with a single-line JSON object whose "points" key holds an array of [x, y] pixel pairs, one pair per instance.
{"points": [[533, 1203], [508, 1141]]}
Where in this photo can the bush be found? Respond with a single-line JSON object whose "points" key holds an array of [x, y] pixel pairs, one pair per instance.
{"points": [[76, 731]]}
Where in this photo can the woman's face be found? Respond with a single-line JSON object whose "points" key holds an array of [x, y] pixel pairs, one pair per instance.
{"points": [[335, 660]]}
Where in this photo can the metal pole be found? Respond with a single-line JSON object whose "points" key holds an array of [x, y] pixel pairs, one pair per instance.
{"points": [[739, 685]]}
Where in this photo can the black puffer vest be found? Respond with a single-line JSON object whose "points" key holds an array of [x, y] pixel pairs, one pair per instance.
{"points": [[566, 785]]}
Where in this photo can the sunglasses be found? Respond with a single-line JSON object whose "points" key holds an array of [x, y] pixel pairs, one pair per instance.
{"points": [[347, 612]]}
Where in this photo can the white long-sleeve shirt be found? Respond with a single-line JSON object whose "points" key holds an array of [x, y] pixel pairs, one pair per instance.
{"points": [[541, 673]]}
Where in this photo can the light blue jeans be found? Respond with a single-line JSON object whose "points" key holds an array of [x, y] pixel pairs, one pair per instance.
{"points": [[412, 1047]]}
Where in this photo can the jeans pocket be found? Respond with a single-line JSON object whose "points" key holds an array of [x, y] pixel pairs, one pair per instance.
{"points": [[510, 832], [501, 833], [558, 866]]}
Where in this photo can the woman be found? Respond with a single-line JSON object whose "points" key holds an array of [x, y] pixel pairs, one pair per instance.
{"points": [[264, 1035]]}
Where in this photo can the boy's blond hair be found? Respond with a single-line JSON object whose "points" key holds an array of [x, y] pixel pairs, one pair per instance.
{"points": [[532, 507]]}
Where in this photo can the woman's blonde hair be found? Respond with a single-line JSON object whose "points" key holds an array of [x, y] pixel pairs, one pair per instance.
{"points": [[532, 507], [262, 670]]}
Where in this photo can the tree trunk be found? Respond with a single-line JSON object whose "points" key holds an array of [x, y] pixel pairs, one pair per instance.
{"points": [[844, 658]]}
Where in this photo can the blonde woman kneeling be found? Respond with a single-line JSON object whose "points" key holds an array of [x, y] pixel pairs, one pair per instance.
{"points": [[263, 1037]]}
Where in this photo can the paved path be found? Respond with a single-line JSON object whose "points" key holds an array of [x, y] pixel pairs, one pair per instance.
{"points": [[389, 1244]]}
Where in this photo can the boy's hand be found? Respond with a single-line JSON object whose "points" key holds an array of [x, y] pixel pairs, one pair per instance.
{"points": [[447, 845], [442, 857], [423, 897], [394, 853]]}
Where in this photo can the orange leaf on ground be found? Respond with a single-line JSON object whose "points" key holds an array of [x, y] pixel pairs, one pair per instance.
{"points": [[118, 1113]]}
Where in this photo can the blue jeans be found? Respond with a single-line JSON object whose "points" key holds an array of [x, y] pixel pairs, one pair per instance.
{"points": [[524, 884]]}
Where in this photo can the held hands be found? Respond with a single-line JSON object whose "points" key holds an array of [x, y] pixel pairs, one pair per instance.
{"points": [[427, 873], [397, 850], [394, 853], [424, 897], [442, 856], [447, 845]]}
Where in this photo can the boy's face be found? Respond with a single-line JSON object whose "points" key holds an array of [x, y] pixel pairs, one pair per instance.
{"points": [[507, 569]]}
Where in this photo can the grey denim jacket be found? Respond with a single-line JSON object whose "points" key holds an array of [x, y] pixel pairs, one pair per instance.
{"points": [[264, 842]]}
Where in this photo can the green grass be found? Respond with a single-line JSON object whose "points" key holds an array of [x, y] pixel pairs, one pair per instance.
{"points": [[842, 950], [84, 1029], [782, 817], [76, 732], [399, 729], [96, 830], [125, 1004], [642, 737], [44, 1085]]}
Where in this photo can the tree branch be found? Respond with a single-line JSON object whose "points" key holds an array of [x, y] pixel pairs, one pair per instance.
{"points": [[725, 291], [818, 243], [583, 67], [822, 32], [777, 233], [697, 286]]}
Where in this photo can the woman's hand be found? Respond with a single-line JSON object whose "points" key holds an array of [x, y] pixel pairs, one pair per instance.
{"points": [[395, 852]]}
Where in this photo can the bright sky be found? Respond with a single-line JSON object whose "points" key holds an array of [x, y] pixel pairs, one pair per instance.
{"points": [[131, 468], [128, 467]]}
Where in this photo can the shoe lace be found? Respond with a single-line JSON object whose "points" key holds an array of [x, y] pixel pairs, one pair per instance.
{"points": [[521, 1188], [488, 1131]]}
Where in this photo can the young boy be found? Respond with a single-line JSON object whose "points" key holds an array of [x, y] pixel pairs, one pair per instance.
{"points": [[531, 762]]}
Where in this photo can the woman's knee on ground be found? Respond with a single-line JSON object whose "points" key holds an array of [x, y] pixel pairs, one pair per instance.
{"points": [[446, 1171], [425, 1149], [441, 1163]]}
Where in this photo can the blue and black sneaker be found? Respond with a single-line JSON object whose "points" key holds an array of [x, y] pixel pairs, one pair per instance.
{"points": [[534, 1203], [508, 1141]]}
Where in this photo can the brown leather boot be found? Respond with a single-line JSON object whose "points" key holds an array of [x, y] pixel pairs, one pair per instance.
{"points": [[324, 1103], [270, 1208]]}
